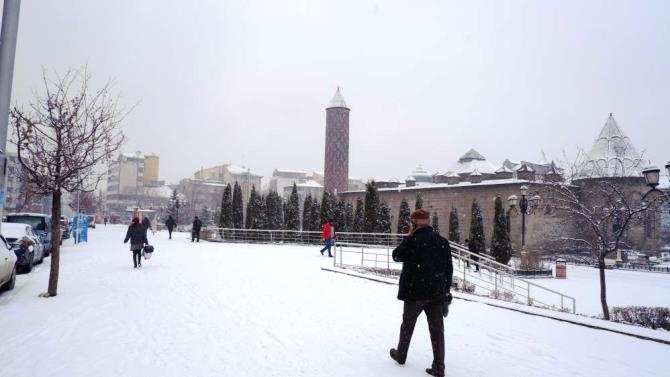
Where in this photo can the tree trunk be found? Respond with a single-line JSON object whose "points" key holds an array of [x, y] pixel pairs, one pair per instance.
{"points": [[603, 288], [55, 243]]}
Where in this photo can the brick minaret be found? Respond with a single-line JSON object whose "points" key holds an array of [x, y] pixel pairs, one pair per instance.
{"points": [[336, 164]]}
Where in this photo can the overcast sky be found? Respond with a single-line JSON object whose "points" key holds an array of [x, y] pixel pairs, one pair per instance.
{"points": [[247, 82]]}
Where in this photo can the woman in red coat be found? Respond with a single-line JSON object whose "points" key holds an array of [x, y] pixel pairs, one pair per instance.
{"points": [[328, 236]]}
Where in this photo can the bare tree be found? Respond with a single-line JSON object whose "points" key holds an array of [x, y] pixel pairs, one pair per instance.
{"points": [[85, 202], [61, 137], [598, 208]]}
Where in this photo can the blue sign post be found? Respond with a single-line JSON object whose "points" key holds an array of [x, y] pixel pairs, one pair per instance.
{"points": [[80, 228]]}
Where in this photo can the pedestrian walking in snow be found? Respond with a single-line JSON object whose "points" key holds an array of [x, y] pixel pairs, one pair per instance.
{"points": [[146, 224], [105, 220], [170, 224], [195, 232], [424, 286], [137, 235], [472, 247], [328, 236]]}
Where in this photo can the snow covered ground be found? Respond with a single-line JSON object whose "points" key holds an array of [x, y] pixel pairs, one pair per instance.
{"points": [[259, 310], [623, 288]]}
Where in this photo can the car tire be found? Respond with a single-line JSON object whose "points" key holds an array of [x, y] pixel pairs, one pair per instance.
{"points": [[41, 258], [10, 284]]}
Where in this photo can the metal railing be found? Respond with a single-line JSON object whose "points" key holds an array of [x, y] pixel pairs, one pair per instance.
{"points": [[482, 277], [373, 252]]}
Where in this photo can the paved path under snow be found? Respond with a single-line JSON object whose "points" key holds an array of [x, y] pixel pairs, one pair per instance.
{"points": [[257, 310]]}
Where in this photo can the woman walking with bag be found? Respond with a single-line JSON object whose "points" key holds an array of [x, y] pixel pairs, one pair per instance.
{"points": [[138, 238]]}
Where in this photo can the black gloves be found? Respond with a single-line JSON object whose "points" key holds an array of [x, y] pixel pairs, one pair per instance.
{"points": [[446, 303]]}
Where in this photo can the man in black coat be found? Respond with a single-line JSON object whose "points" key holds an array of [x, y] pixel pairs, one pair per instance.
{"points": [[170, 223], [425, 280], [195, 232]]}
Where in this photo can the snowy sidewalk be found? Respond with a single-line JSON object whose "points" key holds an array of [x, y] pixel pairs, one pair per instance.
{"points": [[259, 310]]}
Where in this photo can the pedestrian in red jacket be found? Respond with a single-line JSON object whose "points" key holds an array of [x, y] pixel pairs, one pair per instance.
{"points": [[328, 236]]}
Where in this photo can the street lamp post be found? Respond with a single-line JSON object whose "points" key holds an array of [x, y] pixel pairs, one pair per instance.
{"points": [[526, 207]]}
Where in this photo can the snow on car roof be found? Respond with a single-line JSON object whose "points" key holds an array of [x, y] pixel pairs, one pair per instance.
{"points": [[14, 229]]}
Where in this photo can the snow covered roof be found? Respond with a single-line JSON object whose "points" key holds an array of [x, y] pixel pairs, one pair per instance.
{"points": [[237, 170], [471, 155], [525, 167], [612, 155], [471, 161], [310, 183], [493, 182], [338, 100], [476, 173], [131, 155], [288, 171], [410, 178], [504, 169]]}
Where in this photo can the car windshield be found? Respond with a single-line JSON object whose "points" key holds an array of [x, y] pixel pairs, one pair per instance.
{"points": [[36, 222]]}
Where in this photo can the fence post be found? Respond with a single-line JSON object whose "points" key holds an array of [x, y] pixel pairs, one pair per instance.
{"points": [[388, 260]]}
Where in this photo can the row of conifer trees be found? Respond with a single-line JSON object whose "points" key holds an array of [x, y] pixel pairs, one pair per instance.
{"points": [[371, 215]]}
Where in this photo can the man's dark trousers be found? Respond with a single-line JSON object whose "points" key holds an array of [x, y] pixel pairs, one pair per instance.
{"points": [[411, 312]]}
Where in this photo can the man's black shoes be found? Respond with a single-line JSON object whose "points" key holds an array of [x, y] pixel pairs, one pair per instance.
{"points": [[394, 355]]}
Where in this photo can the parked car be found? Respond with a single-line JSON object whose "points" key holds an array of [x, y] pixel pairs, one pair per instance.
{"points": [[41, 224], [25, 244], [65, 228], [7, 266]]}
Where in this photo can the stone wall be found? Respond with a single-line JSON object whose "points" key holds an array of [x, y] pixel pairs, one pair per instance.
{"points": [[541, 227]]}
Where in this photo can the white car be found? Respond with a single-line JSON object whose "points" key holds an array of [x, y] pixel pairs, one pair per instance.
{"points": [[25, 243], [7, 266]]}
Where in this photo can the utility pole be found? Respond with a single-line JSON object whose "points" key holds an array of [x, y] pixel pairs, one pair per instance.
{"points": [[8, 34]]}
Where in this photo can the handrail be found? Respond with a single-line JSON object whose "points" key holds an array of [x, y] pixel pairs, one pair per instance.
{"points": [[498, 280], [500, 277]]}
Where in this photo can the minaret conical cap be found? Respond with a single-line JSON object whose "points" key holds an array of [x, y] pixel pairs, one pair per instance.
{"points": [[338, 100]]}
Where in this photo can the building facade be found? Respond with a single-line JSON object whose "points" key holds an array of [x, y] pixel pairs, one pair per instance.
{"points": [[282, 178], [472, 177], [336, 162], [228, 173]]}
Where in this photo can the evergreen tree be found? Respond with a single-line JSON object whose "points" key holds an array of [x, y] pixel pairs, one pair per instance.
{"points": [[238, 207], [327, 207], [454, 231], [384, 219], [226, 215], [477, 227], [501, 246], [419, 202], [175, 204], [349, 217], [306, 214], [359, 217], [292, 215], [436, 222], [340, 216], [404, 221], [370, 223], [261, 212], [278, 212], [252, 210], [314, 216], [269, 211], [205, 216]]}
